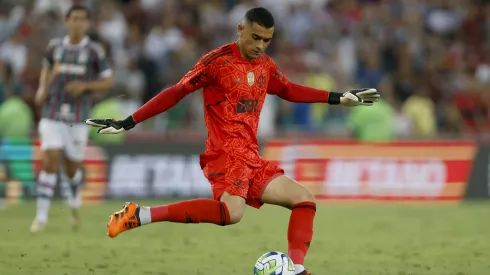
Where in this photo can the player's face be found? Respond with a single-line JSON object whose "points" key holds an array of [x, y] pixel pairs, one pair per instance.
{"points": [[77, 23], [254, 39]]}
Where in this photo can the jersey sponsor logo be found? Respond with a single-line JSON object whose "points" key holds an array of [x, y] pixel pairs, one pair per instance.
{"points": [[69, 69], [198, 78], [250, 78], [247, 106]]}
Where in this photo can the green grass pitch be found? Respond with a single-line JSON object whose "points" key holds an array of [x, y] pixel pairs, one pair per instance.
{"points": [[348, 240]]}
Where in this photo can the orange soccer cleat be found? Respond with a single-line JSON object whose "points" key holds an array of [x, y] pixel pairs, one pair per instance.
{"points": [[124, 220], [304, 273]]}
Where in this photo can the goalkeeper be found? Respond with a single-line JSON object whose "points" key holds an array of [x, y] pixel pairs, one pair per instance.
{"points": [[235, 79]]}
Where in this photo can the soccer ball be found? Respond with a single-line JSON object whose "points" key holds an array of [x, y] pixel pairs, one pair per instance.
{"points": [[274, 263]]}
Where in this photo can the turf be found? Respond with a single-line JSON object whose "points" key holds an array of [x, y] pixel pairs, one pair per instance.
{"points": [[349, 239]]}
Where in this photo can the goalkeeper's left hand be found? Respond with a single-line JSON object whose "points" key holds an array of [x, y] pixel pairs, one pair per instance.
{"points": [[111, 126], [365, 97]]}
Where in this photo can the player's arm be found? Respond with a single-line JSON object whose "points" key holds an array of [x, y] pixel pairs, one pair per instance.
{"points": [[280, 85], [103, 70], [103, 84], [46, 74], [42, 90], [198, 77]]}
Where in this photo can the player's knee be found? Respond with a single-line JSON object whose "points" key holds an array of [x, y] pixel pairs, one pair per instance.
{"points": [[304, 196], [50, 166], [307, 195], [235, 206], [71, 169], [236, 215]]}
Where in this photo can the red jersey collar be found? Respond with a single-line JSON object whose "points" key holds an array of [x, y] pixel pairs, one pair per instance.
{"points": [[236, 51]]}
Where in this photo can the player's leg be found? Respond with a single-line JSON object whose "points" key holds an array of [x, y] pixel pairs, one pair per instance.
{"points": [[72, 187], [229, 191], [278, 189], [51, 146], [286, 192], [227, 211], [76, 139]]}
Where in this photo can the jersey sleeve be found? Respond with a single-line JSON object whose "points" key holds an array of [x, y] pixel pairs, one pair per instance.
{"points": [[280, 85], [48, 56], [198, 77], [278, 81], [101, 62]]}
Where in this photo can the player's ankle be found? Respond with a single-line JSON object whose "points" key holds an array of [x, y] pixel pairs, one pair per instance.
{"points": [[144, 215], [298, 268]]}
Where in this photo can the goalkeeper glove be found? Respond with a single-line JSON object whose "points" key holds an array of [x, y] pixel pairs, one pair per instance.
{"points": [[111, 126], [357, 97]]}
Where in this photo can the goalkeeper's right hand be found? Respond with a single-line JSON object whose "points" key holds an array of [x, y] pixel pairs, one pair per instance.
{"points": [[111, 126]]}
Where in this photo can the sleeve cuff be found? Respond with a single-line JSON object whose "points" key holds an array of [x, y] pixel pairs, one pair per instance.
{"points": [[334, 98]]}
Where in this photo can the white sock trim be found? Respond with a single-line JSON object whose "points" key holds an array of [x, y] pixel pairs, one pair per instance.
{"points": [[145, 215], [45, 190], [298, 268], [42, 211], [46, 178]]}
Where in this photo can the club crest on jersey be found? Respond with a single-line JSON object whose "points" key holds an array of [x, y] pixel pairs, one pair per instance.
{"points": [[250, 78]]}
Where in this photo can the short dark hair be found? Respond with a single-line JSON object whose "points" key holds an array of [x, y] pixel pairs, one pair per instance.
{"points": [[77, 8], [260, 16]]}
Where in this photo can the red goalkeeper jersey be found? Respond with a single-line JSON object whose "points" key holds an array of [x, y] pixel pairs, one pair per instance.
{"points": [[234, 91]]}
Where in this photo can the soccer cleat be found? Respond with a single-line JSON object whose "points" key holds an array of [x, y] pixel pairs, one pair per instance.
{"points": [[37, 226], [124, 220], [305, 272]]}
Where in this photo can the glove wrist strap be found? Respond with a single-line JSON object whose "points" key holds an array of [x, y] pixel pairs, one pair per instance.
{"points": [[128, 123], [334, 98]]}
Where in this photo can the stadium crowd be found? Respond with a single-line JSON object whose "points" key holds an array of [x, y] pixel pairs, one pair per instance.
{"points": [[429, 59]]}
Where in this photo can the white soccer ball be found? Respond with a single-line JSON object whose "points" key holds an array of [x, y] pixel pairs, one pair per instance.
{"points": [[274, 263]]}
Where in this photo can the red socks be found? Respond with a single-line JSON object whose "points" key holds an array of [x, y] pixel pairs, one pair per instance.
{"points": [[192, 211], [300, 231]]}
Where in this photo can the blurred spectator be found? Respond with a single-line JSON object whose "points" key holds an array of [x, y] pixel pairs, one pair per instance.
{"points": [[14, 53], [112, 25], [422, 112], [10, 19], [16, 117], [377, 123], [163, 39], [316, 78], [370, 73]]}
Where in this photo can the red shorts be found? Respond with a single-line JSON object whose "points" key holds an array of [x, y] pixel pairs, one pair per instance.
{"points": [[229, 174]]}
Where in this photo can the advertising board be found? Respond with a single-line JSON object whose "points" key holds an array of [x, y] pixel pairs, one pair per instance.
{"points": [[436, 171]]}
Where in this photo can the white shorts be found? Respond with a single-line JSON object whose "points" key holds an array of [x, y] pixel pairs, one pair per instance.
{"points": [[72, 138]]}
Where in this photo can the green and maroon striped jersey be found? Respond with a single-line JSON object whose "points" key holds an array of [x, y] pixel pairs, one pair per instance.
{"points": [[85, 61]]}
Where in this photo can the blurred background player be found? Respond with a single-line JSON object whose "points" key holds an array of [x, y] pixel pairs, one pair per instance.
{"points": [[236, 79], [73, 67]]}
